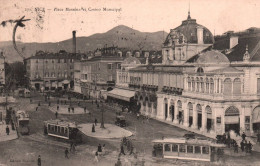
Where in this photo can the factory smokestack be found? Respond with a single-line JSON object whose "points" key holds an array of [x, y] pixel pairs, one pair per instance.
{"points": [[74, 42]]}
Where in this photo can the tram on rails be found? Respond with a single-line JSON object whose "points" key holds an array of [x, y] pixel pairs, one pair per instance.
{"points": [[22, 119], [188, 149], [63, 130]]}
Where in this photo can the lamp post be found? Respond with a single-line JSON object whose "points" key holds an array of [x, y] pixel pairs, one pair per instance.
{"points": [[102, 116]]}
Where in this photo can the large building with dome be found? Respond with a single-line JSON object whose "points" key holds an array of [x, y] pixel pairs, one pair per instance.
{"points": [[205, 86]]}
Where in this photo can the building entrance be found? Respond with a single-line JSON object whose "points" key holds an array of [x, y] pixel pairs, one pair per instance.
{"points": [[232, 119], [37, 86]]}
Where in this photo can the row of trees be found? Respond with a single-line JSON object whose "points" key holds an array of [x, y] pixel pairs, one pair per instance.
{"points": [[15, 76]]}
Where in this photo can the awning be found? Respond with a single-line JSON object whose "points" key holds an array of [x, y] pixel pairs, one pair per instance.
{"points": [[256, 115], [121, 94], [66, 82], [231, 119]]}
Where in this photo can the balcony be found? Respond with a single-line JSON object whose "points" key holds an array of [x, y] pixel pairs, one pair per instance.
{"points": [[172, 90], [152, 88], [134, 86]]}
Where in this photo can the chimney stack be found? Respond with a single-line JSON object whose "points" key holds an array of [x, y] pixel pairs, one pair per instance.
{"points": [[74, 42]]}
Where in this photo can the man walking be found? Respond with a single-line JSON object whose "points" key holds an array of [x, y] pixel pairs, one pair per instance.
{"points": [[243, 136], [95, 121], [36, 109], [85, 109], [66, 153], [122, 150], [56, 114], [7, 130], [58, 107], [39, 160]]}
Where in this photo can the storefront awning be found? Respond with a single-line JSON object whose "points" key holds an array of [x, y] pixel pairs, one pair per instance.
{"points": [[121, 94], [66, 82]]}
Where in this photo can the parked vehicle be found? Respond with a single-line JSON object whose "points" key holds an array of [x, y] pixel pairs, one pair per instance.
{"points": [[120, 121]]}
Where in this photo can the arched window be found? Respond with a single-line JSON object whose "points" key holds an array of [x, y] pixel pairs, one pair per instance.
{"points": [[207, 85], [237, 86], [227, 86], [193, 84], [189, 84], [201, 85], [200, 70], [211, 85], [198, 84]]}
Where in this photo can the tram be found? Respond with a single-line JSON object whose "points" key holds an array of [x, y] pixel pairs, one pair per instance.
{"points": [[62, 130], [188, 149], [22, 119]]}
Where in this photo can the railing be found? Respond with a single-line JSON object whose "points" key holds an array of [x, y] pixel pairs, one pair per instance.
{"points": [[172, 90]]}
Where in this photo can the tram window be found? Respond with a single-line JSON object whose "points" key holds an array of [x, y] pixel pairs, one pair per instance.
{"points": [[49, 127], [167, 147], [62, 130], [52, 128], [66, 130], [174, 148], [58, 129], [205, 150], [55, 129], [189, 149], [182, 148], [197, 149]]}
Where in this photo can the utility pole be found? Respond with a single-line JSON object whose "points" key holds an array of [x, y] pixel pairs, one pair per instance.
{"points": [[102, 116]]}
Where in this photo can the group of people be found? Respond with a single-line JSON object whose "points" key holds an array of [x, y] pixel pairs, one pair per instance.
{"points": [[72, 150], [93, 126], [246, 146]]}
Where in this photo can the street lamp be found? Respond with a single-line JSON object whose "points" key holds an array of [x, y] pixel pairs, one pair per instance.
{"points": [[102, 116]]}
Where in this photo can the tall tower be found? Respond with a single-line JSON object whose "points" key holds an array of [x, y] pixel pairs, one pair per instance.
{"points": [[74, 42]]}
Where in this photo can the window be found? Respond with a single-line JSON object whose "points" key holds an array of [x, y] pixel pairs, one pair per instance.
{"points": [[174, 148], [237, 86], [227, 86], [205, 150], [71, 60], [110, 78], [71, 67], [118, 66], [197, 149], [182, 149], [65, 60], [167, 147], [189, 149], [211, 86], [109, 66]]}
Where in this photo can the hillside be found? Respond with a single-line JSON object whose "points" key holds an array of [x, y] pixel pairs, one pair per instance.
{"points": [[121, 36]]}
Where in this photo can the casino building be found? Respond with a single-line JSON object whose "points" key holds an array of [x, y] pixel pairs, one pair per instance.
{"points": [[205, 86]]}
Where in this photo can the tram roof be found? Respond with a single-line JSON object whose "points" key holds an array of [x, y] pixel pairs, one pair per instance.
{"points": [[61, 123], [188, 141]]}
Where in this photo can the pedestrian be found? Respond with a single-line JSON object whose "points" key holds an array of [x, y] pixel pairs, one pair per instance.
{"points": [[69, 109], [65, 102], [97, 105], [246, 147], [137, 115], [93, 128], [96, 156], [243, 136], [30, 100], [36, 108], [39, 160], [250, 146], [99, 149], [66, 153], [72, 108], [49, 103], [103, 148], [122, 150], [242, 146], [56, 114], [79, 103], [118, 163], [39, 104], [85, 109], [96, 121], [235, 147], [7, 130], [92, 102]]}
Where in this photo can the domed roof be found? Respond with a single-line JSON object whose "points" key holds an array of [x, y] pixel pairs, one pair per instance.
{"points": [[131, 60], [188, 29], [210, 56]]}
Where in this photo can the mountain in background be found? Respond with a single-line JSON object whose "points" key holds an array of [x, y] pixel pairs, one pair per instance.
{"points": [[121, 36]]}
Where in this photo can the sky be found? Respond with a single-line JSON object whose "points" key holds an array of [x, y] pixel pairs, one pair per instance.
{"points": [[52, 22]]}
